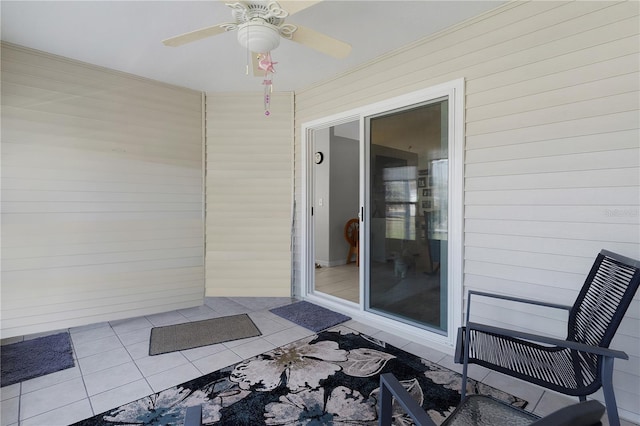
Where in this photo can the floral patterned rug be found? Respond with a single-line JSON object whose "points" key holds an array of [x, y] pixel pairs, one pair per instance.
{"points": [[329, 378]]}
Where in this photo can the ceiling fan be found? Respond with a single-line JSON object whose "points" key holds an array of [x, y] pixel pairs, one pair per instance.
{"points": [[261, 25]]}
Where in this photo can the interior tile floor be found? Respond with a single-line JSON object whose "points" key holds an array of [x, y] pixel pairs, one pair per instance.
{"points": [[113, 366], [339, 281]]}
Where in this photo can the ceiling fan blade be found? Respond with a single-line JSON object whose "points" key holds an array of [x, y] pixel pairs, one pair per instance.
{"points": [[321, 42], [194, 35], [295, 6]]}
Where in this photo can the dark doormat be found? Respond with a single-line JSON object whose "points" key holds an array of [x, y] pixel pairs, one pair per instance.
{"points": [[191, 335], [310, 316], [34, 358]]}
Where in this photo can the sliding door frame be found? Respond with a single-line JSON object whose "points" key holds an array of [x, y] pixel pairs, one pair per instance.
{"points": [[454, 92]]}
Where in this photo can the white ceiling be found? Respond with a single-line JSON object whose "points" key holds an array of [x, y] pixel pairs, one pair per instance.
{"points": [[127, 35]]}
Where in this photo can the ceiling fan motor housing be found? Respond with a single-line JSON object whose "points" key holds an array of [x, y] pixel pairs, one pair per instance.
{"points": [[258, 36]]}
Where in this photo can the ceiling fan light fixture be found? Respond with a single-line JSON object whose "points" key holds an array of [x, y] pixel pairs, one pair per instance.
{"points": [[258, 36]]}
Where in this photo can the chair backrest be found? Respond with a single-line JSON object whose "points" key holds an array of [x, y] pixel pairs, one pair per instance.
{"points": [[605, 296]]}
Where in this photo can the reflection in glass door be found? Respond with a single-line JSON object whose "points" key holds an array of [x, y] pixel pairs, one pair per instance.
{"points": [[408, 228]]}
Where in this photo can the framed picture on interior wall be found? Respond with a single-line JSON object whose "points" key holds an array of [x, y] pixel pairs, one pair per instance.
{"points": [[422, 182], [426, 204], [426, 192], [423, 172]]}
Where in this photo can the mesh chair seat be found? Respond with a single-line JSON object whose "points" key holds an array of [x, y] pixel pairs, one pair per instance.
{"points": [[548, 366]]}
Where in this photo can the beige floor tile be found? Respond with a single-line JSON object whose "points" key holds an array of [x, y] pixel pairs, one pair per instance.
{"points": [[87, 348], [62, 416], [253, 348], [50, 398], [104, 360], [92, 334], [173, 377], [50, 379], [119, 396], [215, 362], [10, 391], [203, 351], [9, 410], [111, 378], [289, 335], [151, 365]]}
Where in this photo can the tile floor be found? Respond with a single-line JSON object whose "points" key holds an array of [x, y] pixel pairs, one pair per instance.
{"points": [[340, 281], [113, 366]]}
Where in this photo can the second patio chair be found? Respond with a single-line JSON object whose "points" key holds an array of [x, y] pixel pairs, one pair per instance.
{"points": [[578, 365]]}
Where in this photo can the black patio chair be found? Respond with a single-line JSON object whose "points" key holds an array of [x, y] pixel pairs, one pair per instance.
{"points": [[580, 364]]}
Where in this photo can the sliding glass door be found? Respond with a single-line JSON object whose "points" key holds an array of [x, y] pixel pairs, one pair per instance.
{"points": [[408, 214], [392, 173]]}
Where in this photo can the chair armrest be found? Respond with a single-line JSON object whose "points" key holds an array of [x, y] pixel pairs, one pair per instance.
{"points": [[581, 347], [390, 386], [518, 299], [511, 299]]}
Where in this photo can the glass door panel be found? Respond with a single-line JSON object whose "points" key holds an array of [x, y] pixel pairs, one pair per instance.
{"points": [[408, 228], [336, 192]]}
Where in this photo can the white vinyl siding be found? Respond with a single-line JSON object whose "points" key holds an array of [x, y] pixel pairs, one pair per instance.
{"points": [[552, 158], [102, 212], [249, 195]]}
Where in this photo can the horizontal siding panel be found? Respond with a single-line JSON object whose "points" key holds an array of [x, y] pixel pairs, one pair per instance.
{"points": [[558, 246], [92, 196], [623, 158], [46, 239], [623, 233], [63, 207], [550, 279], [95, 121], [248, 195], [80, 78], [33, 278], [585, 126], [132, 178], [627, 176], [104, 248], [626, 139], [56, 309], [80, 294], [77, 287], [34, 91], [571, 62], [604, 105], [45, 185], [18, 153], [549, 262], [141, 302], [102, 143], [618, 66], [629, 196], [575, 95], [563, 213], [491, 283], [102, 208], [60, 261]]}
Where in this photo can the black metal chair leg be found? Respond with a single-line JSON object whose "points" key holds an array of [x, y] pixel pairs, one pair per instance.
{"points": [[607, 389]]}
